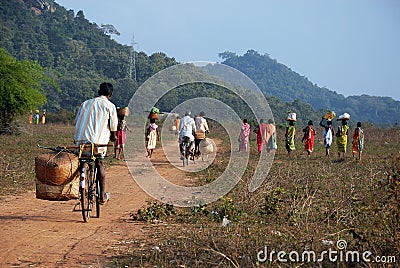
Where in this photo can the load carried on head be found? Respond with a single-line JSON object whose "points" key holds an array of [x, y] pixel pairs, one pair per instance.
{"points": [[291, 117], [123, 111], [329, 115], [154, 113], [344, 116]]}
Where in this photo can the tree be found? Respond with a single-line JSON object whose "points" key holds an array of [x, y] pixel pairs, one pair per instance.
{"points": [[20, 88], [227, 55]]}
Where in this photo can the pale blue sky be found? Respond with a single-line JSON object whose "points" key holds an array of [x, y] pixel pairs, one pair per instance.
{"points": [[350, 46]]}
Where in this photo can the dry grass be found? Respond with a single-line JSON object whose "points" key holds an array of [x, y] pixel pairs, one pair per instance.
{"points": [[301, 203], [17, 166]]}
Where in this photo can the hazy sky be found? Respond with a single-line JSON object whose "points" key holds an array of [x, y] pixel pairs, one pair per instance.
{"points": [[350, 46]]}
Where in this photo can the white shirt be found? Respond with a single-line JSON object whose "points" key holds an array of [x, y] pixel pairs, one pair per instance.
{"points": [[187, 127], [201, 123], [95, 120]]}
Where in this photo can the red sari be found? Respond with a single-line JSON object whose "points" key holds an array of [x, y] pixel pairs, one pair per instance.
{"points": [[309, 134]]}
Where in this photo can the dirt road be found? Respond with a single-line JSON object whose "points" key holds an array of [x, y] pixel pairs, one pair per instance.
{"points": [[40, 233]]}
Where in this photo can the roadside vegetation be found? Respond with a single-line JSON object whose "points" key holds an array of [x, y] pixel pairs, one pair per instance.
{"points": [[304, 204]]}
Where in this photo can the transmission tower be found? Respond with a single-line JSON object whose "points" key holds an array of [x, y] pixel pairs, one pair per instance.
{"points": [[132, 60]]}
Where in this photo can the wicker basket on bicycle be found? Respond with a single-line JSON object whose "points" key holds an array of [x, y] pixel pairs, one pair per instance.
{"points": [[57, 176], [199, 134]]}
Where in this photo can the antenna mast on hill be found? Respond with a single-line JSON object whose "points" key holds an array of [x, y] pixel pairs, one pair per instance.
{"points": [[132, 60]]}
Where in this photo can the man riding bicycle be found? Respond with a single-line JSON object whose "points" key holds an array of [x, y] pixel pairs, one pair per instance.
{"points": [[96, 123], [186, 129], [202, 129]]}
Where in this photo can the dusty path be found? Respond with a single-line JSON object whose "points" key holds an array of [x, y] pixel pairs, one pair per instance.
{"points": [[40, 233]]}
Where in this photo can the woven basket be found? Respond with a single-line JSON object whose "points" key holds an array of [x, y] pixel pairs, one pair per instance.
{"points": [[123, 111], [153, 116], [66, 191], [56, 168], [199, 134]]}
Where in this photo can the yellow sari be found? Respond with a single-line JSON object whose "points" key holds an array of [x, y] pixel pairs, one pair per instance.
{"points": [[341, 139]]}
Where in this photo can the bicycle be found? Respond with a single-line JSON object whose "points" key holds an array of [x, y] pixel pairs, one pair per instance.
{"points": [[186, 153], [89, 193]]}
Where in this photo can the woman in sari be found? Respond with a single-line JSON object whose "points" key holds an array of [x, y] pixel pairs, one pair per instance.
{"points": [[244, 136], [259, 138], [341, 140], [289, 137], [269, 137], [308, 138], [358, 141]]}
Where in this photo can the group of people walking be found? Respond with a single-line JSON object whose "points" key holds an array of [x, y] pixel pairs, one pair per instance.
{"points": [[329, 133], [36, 117], [266, 135]]}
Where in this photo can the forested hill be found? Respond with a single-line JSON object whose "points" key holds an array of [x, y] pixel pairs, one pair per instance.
{"points": [[79, 54], [276, 79]]}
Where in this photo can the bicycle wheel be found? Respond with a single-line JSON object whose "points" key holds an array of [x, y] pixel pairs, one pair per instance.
{"points": [[83, 198], [98, 191], [91, 191], [187, 154], [83, 190], [184, 152]]}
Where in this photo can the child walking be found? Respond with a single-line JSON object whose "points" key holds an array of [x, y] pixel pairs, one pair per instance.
{"points": [[121, 136], [152, 136]]}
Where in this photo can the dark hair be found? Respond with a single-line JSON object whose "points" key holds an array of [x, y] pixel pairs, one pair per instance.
{"points": [[261, 121], [329, 122], [152, 120], [310, 123], [344, 122], [202, 113], [244, 120], [106, 89], [270, 121], [291, 123], [358, 124]]}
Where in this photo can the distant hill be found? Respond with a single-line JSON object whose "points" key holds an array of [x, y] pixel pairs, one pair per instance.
{"points": [[276, 79], [80, 54], [77, 53]]}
